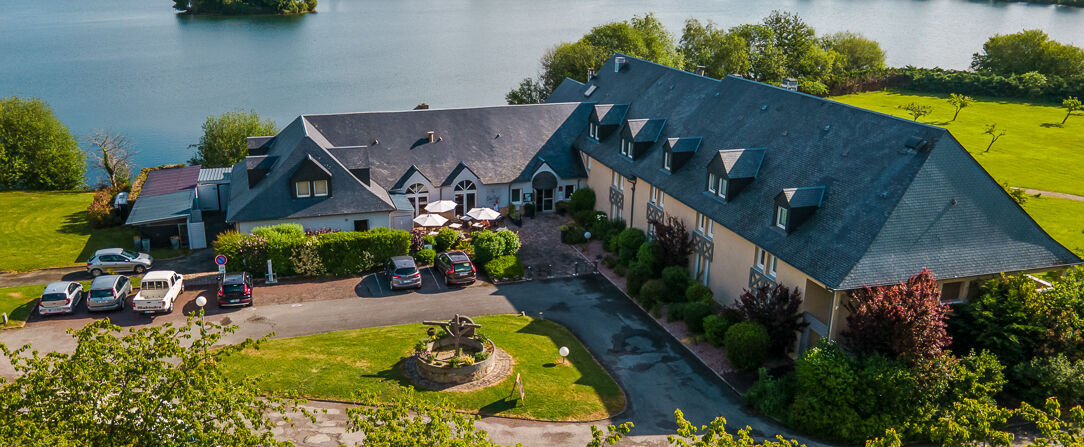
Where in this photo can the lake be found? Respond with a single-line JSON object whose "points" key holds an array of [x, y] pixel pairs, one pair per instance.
{"points": [[134, 66]]}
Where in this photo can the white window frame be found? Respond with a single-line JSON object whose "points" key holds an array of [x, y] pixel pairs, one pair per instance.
{"points": [[702, 268], [781, 216], [711, 183], [316, 190], [592, 131], [759, 259], [516, 192], [774, 261], [700, 223], [766, 262], [667, 160], [656, 196], [721, 192], [297, 189], [569, 190]]}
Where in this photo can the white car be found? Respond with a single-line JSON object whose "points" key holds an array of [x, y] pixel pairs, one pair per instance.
{"points": [[60, 298], [158, 292]]}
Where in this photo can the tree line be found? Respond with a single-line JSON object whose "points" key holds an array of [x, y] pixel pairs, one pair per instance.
{"points": [[231, 7], [1027, 64]]}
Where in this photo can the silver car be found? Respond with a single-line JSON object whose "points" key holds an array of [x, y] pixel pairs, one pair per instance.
{"points": [[60, 298], [109, 260], [109, 292]]}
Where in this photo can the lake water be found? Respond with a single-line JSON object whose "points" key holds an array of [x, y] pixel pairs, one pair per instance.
{"points": [[134, 66]]}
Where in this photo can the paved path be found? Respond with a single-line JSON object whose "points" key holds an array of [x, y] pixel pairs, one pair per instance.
{"points": [[1060, 195], [655, 371]]}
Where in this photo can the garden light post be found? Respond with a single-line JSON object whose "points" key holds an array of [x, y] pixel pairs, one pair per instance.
{"points": [[202, 301], [564, 353]]}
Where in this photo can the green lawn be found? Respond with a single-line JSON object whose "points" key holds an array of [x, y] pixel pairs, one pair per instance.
{"points": [[49, 229], [1063, 219], [18, 302], [1037, 152], [345, 364]]}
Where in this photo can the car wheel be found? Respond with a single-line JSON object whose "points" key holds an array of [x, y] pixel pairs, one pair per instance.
{"points": [[139, 269], [95, 273]]}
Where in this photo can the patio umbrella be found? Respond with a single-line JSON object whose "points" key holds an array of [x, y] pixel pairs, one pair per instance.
{"points": [[430, 220], [483, 214], [440, 206]]}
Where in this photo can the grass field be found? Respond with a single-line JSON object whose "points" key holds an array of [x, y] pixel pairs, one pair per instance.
{"points": [[18, 302], [49, 229], [1063, 219], [1037, 152], [346, 364]]}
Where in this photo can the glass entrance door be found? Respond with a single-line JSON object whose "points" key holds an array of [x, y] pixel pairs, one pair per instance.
{"points": [[543, 199]]}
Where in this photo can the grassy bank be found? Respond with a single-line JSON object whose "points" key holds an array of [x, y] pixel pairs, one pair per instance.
{"points": [[342, 365], [1063, 219], [1037, 152]]}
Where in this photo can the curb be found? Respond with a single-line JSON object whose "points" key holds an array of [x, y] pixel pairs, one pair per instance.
{"points": [[472, 413]]}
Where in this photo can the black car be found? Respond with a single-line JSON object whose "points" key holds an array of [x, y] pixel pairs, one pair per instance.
{"points": [[235, 289], [456, 268]]}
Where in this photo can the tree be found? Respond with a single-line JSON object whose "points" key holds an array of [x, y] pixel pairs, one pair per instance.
{"points": [[994, 134], [778, 309], [1027, 51], [36, 150], [766, 62], [528, 92], [1018, 195], [1055, 430], [795, 39], [856, 52], [674, 241], [224, 141], [158, 385], [1071, 104], [973, 423], [113, 153], [719, 53], [916, 110], [715, 434], [906, 320], [959, 102]]}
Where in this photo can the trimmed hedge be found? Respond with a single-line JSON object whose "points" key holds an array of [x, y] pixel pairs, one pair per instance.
{"points": [[649, 255], [716, 326], [677, 282], [628, 242], [695, 313], [699, 292], [425, 256], [652, 292], [341, 253], [505, 267], [746, 345]]}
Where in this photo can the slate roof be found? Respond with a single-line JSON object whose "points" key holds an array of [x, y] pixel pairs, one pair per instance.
{"points": [[742, 163], [611, 114], [684, 144], [498, 144], [888, 211], [166, 181], [161, 207], [805, 196], [646, 130]]}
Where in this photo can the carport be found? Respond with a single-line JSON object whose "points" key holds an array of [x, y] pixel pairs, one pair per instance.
{"points": [[163, 216]]}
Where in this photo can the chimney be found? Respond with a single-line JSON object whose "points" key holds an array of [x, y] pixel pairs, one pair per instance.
{"points": [[700, 70], [619, 63], [432, 136], [590, 74], [422, 106]]}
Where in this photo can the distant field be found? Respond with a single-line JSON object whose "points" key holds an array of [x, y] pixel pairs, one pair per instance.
{"points": [[49, 229], [1037, 152], [1063, 219]]}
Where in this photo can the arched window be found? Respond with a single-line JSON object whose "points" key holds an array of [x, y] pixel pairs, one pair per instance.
{"points": [[418, 195], [465, 192]]}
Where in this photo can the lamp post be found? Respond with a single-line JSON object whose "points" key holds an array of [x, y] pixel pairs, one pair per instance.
{"points": [[202, 301], [564, 353]]}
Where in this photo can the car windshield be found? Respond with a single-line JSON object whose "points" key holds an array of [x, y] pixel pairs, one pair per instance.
{"points": [[53, 297], [130, 254], [101, 293], [233, 288], [463, 267], [405, 271]]}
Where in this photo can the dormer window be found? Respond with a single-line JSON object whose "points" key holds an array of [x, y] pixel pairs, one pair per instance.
{"points": [[731, 170], [667, 160], [626, 148], [781, 217], [319, 188], [592, 131], [302, 189], [712, 184]]}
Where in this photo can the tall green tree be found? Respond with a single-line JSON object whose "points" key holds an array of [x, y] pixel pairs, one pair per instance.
{"points": [[856, 52], [719, 53], [224, 140], [158, 385], [36, 150], [528, 92], [766, 60], [1025, 51], [796, 40]]}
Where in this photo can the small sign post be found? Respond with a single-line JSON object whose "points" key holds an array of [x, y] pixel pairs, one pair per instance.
{"points": [[221, 261], [518, 385]]}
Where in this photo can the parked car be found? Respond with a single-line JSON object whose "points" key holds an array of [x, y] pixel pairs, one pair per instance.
{"points": [[158, 292], [456, 268], [235, 290], [109, 260], [60, 297], [109, 292], [402, 273]]}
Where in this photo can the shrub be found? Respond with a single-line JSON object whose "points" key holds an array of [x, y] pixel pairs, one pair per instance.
{"points": [[699, 292], [228, 244], [674, 241], [1054, 376], [505, 267], [429, 240], [574, 235], [611, 244], [621, 270], [695, 313], [677, 281], [609, 261], [487, 246], [649, 255], [905, 320], [637, 275], [306, 260], [746, 345], [771, 396], [653, 291], [425, 256], [675, 311], [628, 242], [100, 212], [583, 199], [778, 309], [446, 239], [511, 242], [353, 252], [715, 327], [276, 243]]}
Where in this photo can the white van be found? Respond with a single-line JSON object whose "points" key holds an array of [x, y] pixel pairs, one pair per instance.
{"points": [[158, 291]]}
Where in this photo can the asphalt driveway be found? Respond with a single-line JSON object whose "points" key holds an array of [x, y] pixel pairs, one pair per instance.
{"points": [[656, 372]]}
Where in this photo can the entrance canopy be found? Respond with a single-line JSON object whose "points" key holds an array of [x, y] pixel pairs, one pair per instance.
{"points": [[544, 180]]}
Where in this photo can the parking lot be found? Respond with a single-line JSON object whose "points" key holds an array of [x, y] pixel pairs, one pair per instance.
{"points": [[376, 285]]}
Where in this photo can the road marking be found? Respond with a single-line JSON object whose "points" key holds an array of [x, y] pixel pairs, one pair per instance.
{"points": [[376, 277], [435, 280]]}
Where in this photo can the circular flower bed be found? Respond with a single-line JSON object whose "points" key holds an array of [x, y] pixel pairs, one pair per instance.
{"points": [[437, 361]]}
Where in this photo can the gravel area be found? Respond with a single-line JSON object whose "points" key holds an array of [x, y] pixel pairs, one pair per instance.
{"points": [[542, 249]]}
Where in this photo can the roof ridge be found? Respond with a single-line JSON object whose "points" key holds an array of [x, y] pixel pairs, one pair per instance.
{"points": [[444, 109]]}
